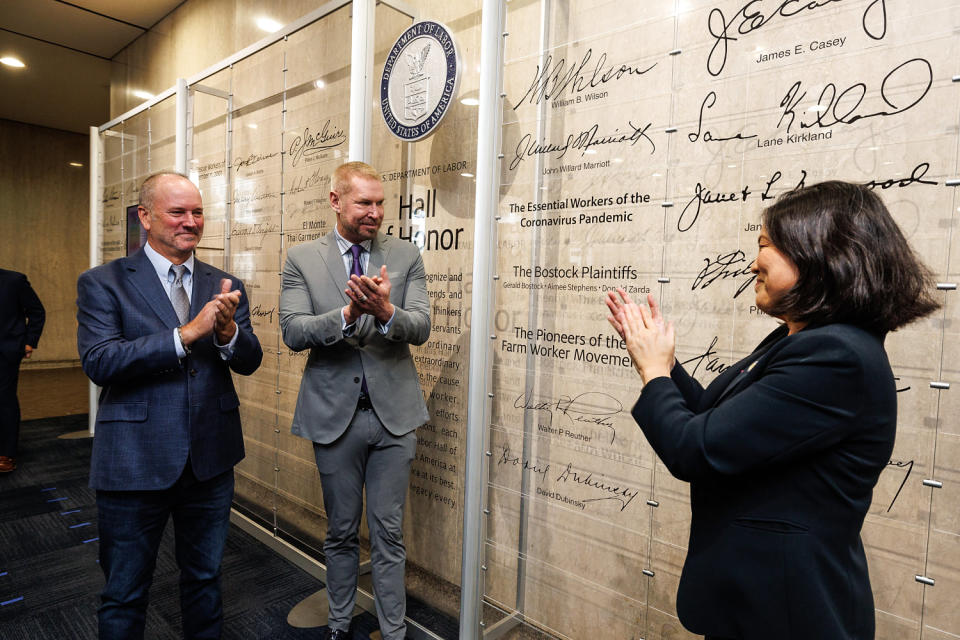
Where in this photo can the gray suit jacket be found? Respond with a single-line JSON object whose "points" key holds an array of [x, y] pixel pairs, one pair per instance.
{"points": [[312, 295]]}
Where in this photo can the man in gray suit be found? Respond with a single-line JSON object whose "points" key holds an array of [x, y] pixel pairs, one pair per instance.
{"points": [[360, 399]]}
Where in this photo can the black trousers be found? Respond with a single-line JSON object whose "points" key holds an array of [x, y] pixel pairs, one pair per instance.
{"points": [[9, 407]]}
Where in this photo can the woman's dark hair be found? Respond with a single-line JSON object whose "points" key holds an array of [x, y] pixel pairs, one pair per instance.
{"points": [[854, 264]]}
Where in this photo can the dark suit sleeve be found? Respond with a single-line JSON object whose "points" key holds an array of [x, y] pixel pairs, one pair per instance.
{"points": [[806, 400], [33, 310], [411, 321], [106, 355], [247, 352], [689, 387]]}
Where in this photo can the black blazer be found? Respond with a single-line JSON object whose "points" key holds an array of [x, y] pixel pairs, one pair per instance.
{"points": [[782, 452], [21, 315]]}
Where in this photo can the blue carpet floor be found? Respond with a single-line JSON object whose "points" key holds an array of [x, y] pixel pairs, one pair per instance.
{"points": [[49, 576]]}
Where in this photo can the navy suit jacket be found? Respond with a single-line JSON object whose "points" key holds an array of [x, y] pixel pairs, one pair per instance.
{"points": [[21, 316], [155, 409], [782, 452]]}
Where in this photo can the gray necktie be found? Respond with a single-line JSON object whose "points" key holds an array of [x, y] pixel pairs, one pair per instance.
{"points": [[178, 296]]}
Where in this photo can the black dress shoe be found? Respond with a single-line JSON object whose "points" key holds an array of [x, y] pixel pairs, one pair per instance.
{"points": [[336, 634]]}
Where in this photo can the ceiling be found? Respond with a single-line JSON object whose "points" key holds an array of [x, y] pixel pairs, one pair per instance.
{"points": [[67, 47]]}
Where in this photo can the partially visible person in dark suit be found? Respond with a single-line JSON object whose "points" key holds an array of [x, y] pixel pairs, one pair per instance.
{"points": [[783, 449], [161, 331], [21, 323]]}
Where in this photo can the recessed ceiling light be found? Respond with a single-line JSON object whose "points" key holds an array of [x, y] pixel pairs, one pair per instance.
{"points": [[470, 102], [252, 125], [467, 175], [319, 84], [10, 61], [269, 24], [143, 95], [75, 164]]}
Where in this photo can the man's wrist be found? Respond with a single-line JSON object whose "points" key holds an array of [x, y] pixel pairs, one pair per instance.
{"points": [[225, 336], [387, 313], [183, 343], [348, 319]]}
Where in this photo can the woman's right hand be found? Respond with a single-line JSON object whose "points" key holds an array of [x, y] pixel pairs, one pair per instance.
{"points": [[650, 340]]}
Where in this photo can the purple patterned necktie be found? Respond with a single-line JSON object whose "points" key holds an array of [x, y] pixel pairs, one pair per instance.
{"points": [[357, 270]]}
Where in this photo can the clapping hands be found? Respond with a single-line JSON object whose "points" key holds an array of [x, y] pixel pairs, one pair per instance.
{"points": [[650, 339]]}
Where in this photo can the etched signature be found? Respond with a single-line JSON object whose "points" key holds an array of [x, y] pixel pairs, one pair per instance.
{"points": [[110, 193], [259, 311], [703, 196], [900, 464], [751, 17], [583, 141], [592, 408], [708, 135], [302, 183], [713, 363], [555, 78], [309, 145], [621, 493], [915, 177], [253, 159], [725, 266], [508, 458], [832, 108]]}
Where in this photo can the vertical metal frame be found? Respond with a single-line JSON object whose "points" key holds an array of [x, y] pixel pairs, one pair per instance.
{"points": [[180, 164], [96, 180], [227, 97], [361, 77], [481, 316]]}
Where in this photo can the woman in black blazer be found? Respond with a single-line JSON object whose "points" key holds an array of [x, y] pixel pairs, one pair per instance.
{"points": [[783, 449]]}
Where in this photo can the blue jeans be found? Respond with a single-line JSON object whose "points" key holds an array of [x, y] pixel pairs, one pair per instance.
{"points": [[131, 524]]}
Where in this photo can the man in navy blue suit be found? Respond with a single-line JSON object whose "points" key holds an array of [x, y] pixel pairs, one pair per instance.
{"points": [[161, 331], [21, 322]]}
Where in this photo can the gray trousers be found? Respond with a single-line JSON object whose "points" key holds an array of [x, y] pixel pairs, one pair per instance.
{"points": [[366, 455]]}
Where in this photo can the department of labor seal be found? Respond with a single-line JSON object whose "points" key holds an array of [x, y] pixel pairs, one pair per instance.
{"points": [[419, 81]]}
